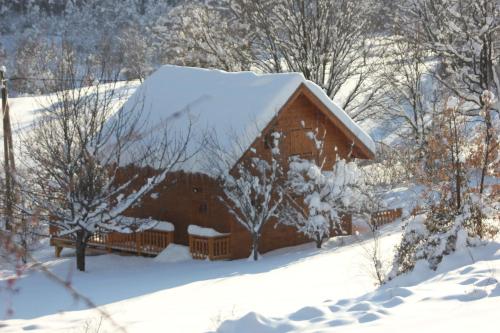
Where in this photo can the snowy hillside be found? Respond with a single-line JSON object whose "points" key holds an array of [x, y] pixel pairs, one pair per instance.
{"points": [[299, 289], [25, 110], [463, 295]]}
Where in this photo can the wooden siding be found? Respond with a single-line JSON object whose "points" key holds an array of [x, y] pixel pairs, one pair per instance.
{"points": [[184, 199]]}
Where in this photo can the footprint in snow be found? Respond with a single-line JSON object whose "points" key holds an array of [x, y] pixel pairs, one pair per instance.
{"points": [[395, 301], [368, 318], [486, 282], [496, 291], [466, 270], [306, 313], [383, 312], [469, 281], [389, 294], [473, 295], [31, 328], [401, 292], [363, 306], [382, 296], [253, 322], [334, 308], [316, 320], [343, 302], [339, 322]]}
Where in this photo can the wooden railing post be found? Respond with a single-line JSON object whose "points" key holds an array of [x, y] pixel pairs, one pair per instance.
{"points": [[191, 247], [210, 248], [138, 242]]}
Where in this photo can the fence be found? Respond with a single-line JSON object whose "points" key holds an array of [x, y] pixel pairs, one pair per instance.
{"points": [[213, 248], [386, 216], [149, 242]]}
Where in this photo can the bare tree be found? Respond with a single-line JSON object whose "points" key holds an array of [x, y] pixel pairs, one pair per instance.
{"points": [[76, 153], [411, 94], [325, 40], [464, 34], [135, 53], [252, 188], [376, 186]]}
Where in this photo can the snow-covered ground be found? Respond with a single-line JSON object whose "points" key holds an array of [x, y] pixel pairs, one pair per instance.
{"points": [[299, 289], [463, 295], [25, 110]]}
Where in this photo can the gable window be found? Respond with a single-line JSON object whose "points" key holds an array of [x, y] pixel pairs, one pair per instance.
{"points": [[299, 143]]}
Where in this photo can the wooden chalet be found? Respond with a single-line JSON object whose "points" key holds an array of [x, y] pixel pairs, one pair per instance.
{"points": [[229, 103]]}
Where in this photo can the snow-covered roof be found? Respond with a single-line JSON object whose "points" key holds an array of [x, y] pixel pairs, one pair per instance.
{"points": [[226, 103]]}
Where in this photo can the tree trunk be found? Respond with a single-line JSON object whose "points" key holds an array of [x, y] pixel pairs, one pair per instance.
{"points": [[80, 247], [255, 246], [319, 242], [486, 160]]}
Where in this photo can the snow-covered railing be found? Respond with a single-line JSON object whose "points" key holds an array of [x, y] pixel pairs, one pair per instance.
{"points": [[150, 241], [207, 243], [386, 216]]}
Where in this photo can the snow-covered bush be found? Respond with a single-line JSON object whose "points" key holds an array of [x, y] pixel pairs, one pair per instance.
{"points": [[459, 208], [317, 197], [435, 234], [320, 197]]}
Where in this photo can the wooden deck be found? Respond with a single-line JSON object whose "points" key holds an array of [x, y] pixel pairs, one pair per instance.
{"points": [[147, 243]]}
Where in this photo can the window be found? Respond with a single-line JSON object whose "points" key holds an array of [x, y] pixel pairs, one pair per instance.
{"points": [[299, 144]]}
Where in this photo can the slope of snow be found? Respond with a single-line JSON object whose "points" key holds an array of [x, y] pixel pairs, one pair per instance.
{"points": [[26, 110], [174, 253], [299, 289], [189, 296], [232, 106], [463, 295]]}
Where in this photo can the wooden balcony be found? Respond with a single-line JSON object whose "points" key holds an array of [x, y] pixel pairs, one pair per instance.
{"points": [[212, 248], [149, 242]]}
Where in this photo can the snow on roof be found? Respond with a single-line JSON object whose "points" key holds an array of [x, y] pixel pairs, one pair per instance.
{"points": [[227, 103]]}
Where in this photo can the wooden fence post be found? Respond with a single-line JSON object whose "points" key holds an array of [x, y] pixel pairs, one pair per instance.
{"points": [[138, 242], [191, 245], [210, 248]]}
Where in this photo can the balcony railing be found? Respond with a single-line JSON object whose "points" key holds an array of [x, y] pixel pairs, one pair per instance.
{"points": [[212, 248], [148, 242]]}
